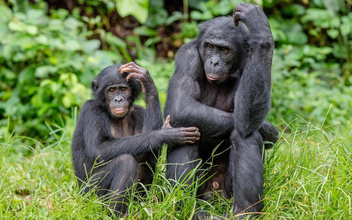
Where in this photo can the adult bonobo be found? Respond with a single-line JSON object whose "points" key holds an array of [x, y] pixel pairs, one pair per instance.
{"points": [[222, 85], [120, 136]]}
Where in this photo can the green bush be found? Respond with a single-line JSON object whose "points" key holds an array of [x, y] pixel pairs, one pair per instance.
{"points": [[47, 62], [312, 61], [48, 57]]}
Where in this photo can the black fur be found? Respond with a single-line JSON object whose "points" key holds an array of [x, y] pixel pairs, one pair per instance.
{"points": [[221, 85], [121, 142]]}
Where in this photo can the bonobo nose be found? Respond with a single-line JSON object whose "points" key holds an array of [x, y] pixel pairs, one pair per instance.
{"points": [[214, 62], [118, 99]]}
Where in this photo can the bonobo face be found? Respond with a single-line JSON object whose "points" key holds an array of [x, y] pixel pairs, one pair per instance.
{"points": [[117, 97], [111, 89], [218, 56], [221, 48]]}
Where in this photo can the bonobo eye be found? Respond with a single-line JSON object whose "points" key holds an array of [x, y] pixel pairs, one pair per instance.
{"points": [[122, 89], [210, 46], [224, 49], [112, 89]]}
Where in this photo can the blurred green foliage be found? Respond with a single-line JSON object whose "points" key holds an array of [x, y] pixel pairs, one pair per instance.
{"points": [[312, 61], [48, 57], [47, 61], [137, 8]]}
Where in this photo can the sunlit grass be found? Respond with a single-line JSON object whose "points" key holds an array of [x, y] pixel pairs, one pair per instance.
{"points": [[307, 176]]}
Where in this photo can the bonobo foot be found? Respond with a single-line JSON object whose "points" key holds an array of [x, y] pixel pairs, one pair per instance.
{"points": [[202, 215]]}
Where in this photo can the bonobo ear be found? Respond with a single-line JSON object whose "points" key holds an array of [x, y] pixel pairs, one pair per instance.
{"points": [[95, 85]]}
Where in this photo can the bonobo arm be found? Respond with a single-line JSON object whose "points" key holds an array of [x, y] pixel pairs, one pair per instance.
{"points": [[183, 95], [152, 116], [252, 100], [101, 146]]}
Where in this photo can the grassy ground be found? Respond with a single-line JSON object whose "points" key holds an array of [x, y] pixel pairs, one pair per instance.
{"points": [[307, 176]]}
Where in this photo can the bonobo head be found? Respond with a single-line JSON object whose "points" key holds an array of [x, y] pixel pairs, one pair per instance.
{"points": [[222, 48], [112, 91]]}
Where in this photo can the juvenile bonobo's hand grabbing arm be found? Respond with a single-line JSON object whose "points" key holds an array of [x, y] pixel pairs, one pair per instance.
{"points": [[153, 115], [183, 135], [94, 126], [252, 100], [102, 146]]}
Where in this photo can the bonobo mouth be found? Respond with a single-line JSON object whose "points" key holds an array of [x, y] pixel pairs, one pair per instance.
{"points": [[215, 78], [119, 112]]}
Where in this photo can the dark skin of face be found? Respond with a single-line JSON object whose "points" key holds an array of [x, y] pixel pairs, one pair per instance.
{"points": [[117, 97], [218, 56]]}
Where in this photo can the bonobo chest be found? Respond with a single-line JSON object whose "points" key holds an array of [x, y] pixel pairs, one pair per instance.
{"points": [[121, 129], [124, 127], [218, 96]]}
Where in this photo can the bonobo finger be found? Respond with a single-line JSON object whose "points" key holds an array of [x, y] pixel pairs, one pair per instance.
{"points": [[132, 67], [237, 14], [190, 142], [129, 67], [125, 66], [196, 138], [123, 70], [127, 70], [193, 137], [190, 129], [167, 122], [191, 134], [134, 75]]}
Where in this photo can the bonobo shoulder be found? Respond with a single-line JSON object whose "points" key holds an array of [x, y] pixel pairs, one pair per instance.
{"points": [[188, 61], [187, 51], [87, 106], [92, 107]]}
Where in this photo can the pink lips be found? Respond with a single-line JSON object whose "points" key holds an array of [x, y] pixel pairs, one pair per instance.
{"points": [[119, 110], [211, 78]]}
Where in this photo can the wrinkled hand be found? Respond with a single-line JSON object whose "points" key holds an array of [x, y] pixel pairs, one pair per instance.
{"points": [[252, 15], [137, 72], [183, 135]]}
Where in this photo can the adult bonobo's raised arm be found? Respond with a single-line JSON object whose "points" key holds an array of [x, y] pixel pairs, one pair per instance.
{"points": [[222, 85], [120, 135], [252, 98]]}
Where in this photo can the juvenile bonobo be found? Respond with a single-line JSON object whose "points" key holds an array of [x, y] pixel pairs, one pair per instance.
{"points": [[119, 135], [222, 85]]}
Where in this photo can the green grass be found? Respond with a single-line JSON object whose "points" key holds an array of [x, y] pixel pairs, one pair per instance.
{"points": [[307, 176]]}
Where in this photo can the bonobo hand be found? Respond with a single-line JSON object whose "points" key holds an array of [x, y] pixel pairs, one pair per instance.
{"points": [[137, 72], [183, 135], [253, 16]]}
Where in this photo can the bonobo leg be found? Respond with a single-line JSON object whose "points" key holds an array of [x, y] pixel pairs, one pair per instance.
{"points": [[181, 161], [269, 134], [146, 167], [114, 179], [246, 168]]}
